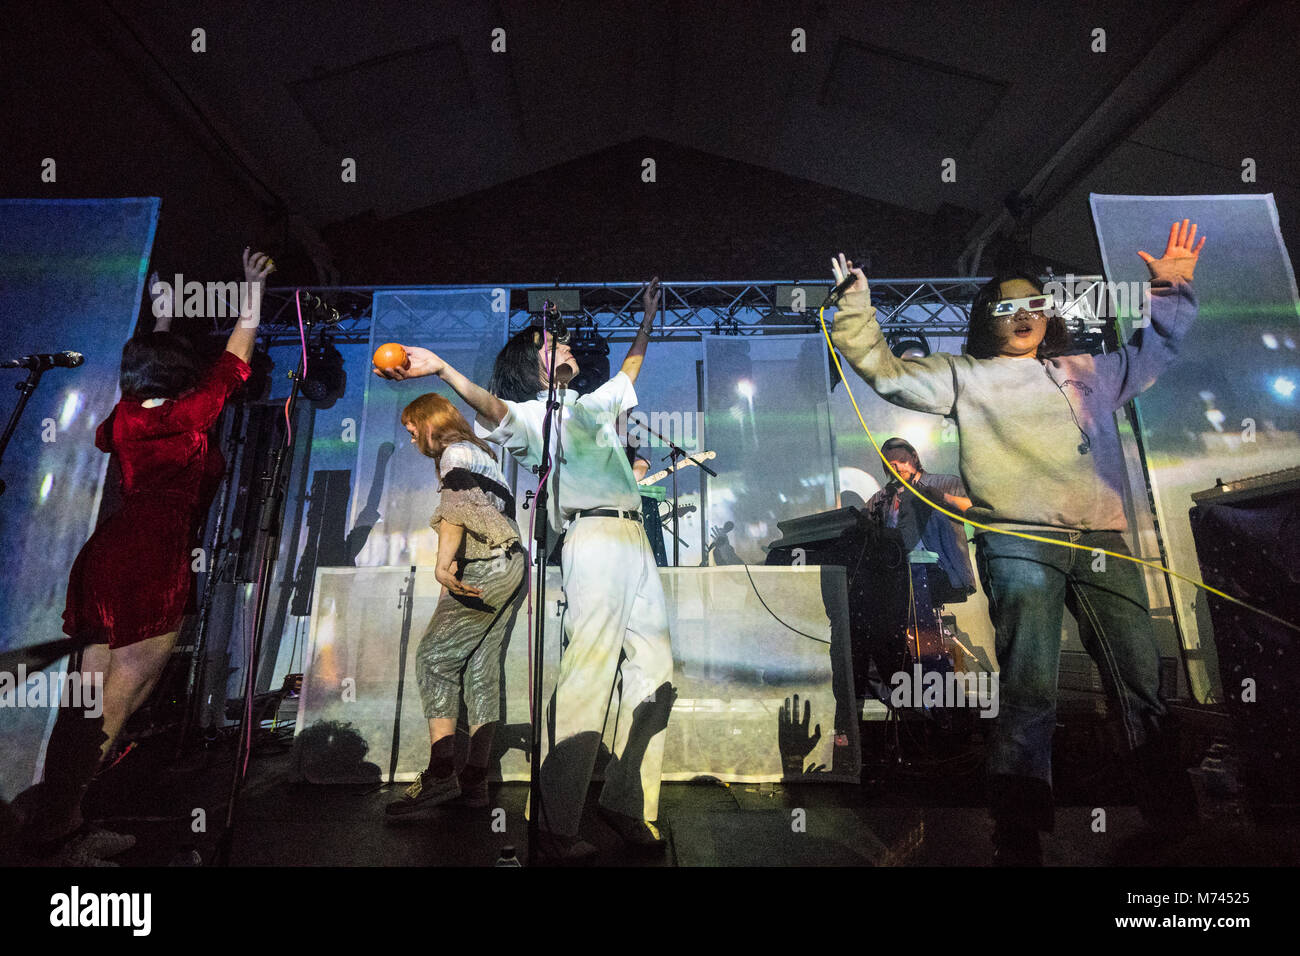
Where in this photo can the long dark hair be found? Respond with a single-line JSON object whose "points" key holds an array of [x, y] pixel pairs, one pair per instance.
{"points": [[515, 375], [982, 343], [158, 365]]}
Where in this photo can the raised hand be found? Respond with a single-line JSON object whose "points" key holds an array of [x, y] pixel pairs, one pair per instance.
{"points": [[419, 362], [841, 267], [162, 303], [257, 265], [650, 298], [1179, 261]]}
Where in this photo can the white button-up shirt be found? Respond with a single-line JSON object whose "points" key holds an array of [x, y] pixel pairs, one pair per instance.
{"points": [[590, 466]]}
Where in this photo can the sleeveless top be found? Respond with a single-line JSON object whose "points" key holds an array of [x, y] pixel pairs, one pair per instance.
{"points": [[475, 495]]}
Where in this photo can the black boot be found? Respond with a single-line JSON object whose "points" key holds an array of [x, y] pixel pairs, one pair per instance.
{"points": [[1162, 787], [1016, 845], [1021, 808]]}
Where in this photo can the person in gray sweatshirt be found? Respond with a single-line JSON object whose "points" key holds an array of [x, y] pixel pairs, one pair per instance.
{"points": [[1040, 454]]}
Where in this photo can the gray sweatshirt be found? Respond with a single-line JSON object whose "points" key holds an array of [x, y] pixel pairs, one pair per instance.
{"points": [[1021, 421]]}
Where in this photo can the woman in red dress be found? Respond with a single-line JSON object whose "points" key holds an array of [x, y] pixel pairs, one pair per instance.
{"points": [[132, 582]]}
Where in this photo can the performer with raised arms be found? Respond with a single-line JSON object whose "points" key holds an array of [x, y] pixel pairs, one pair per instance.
{"points": [[1040, 454]]}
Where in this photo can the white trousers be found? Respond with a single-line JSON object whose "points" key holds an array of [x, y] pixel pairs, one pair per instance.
{"points": [[616, 609]]}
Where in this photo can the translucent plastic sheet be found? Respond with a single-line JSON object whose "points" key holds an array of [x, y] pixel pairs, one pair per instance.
{"points": [[395, 488], [735, 669], [1227, 408], [767, 415], [71, 278]]}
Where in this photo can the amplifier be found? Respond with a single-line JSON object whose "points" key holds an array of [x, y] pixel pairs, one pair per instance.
{"points": [[1247, 537], [1286, 481]]}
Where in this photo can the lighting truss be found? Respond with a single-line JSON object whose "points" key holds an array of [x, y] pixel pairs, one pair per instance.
{"points": [[687, 309]]}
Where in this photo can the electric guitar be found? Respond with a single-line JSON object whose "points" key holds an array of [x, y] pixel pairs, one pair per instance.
{"points": [[689, 460]]}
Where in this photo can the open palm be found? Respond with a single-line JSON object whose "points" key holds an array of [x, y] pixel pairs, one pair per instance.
{"points": [[1179, 261]]}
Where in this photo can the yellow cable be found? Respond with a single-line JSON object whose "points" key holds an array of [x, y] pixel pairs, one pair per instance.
{"points": [[821, 317]]}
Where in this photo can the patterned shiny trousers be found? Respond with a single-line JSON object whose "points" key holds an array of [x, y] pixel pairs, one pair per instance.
{"points": [[462, 644]]}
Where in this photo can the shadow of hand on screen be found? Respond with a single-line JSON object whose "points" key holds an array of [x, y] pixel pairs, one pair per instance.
{"points": [[793, 739]]}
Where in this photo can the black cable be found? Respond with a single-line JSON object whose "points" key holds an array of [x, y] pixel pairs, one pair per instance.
{"points": [[1085, 446], [810, 637]]}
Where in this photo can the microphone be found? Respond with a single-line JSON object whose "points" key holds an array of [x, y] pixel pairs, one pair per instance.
{"points": [[551, 320], [834, 295], [47, 360]]}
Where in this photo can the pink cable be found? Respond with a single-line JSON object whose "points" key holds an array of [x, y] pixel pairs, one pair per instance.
{"points": [[249, 682], [541, 483]]}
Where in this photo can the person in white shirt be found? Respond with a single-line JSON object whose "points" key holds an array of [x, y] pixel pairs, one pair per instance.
{"points": [[617, 658]]}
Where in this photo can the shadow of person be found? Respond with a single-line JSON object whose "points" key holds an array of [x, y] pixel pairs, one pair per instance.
{"points": [[511, 737], [623, 791], [332, 752]]}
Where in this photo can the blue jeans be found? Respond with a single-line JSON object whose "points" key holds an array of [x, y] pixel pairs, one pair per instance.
{"points": [[1028, 585]]}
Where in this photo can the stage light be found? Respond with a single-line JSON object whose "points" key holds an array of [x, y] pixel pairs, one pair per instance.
{"points": [[745, 389], [1284, 386], [325, 379], [591, 352], [908, 345], [1269, 340]]}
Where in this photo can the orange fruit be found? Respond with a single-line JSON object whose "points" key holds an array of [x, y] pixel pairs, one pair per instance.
{"points": [[390, 355]]}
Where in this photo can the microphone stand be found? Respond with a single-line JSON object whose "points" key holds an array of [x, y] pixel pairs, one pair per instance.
{"points": [[676, 453], [541, 537], [198, 673], [26, 389], [268, 529]]}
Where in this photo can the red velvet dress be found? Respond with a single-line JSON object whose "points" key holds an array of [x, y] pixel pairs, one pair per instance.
{"points": [[133, 578]]}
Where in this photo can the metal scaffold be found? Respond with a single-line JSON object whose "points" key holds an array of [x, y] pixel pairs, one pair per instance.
{"points": [[689, 309]]}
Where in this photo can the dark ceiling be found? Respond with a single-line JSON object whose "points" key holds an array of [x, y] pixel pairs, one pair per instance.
{"points": [[248, 137]]}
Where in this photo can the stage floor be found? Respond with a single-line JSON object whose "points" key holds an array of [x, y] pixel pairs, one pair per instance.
{"points": [[910, 815]]}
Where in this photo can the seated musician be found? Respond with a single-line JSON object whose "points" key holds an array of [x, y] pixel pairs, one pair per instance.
{"points": [[920, 525]]}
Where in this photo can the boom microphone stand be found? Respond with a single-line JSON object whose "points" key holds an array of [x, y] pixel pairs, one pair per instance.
{"points": [[26, 388], [676, 453]]}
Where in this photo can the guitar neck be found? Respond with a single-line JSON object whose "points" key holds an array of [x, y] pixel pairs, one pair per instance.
{"points": [[661, 475]]}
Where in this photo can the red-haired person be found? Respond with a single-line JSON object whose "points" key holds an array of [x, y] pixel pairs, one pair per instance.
{"points": [[481, 568], [132, 582]]}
